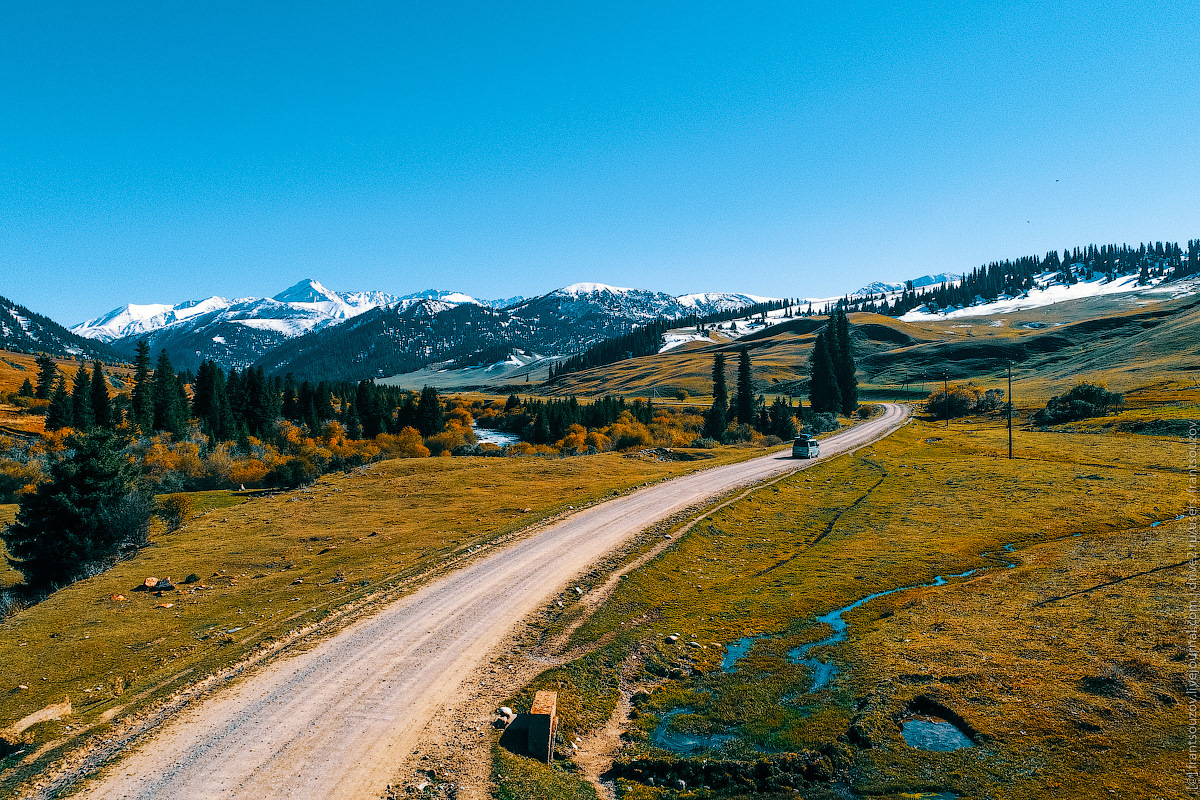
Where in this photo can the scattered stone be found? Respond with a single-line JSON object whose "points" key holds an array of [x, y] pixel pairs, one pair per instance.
{"points": [[527, 510], [673, 638], [117, 597], [165, 605], [578, 591], [327, 549], [297, 582], [192, 578], [150, 583], [23, 688], [505, 711]]}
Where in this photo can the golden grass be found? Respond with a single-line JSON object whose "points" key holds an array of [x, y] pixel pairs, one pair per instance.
{"points": [[927, 501], [15, 368], [274, 564]]}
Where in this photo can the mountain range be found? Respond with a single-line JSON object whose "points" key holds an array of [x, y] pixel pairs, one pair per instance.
{"points": [[317, 332]]}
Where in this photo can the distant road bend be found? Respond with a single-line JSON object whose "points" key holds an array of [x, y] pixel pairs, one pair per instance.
{"points": [[336, 721]]}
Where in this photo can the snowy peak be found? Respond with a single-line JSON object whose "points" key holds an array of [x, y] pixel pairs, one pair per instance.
{"points": [[879, 287], [440, 295], [307, 291], [133, 319], [580, 289]]}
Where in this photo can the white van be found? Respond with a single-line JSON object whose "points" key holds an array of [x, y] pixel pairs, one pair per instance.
{"points": [[805, 447]]}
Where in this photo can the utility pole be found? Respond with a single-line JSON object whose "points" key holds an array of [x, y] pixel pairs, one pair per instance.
{"points": [[1011, 409], [946, 394]]}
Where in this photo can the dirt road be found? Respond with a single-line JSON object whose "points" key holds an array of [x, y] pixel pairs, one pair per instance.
{"points": [[336, 721]]}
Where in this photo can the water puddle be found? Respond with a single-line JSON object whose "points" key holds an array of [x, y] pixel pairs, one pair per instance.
{"points": [[734, 651], [665, 738], [934, 734]]}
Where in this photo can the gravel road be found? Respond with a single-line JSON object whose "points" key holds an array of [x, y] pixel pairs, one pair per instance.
{"points": [[336, 721]]}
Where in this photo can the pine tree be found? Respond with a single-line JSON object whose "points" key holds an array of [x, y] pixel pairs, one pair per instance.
{"points": [[26, 389], [823, 394], [141, 398], [84, 514], [352, 423], [47, 373], [845, 368], [101, 408], [717, 418], [81, 400], [782, 423], [60, 413], [429, 412], [291, 402], [166, 407], [744, 402], [210, 403]]}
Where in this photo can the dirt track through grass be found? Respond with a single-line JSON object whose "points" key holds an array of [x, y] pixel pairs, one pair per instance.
{"points": [[336, 721]]}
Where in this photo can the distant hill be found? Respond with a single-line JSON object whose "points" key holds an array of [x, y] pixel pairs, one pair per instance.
{"points": [[24, 331]]}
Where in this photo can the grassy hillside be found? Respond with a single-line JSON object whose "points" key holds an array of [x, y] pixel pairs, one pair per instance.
{"points": [[266, 568], [1081, 696], [1050, 348]]}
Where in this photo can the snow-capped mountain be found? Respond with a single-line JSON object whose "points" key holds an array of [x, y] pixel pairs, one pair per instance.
{"points": [[439, 326], [445, 298], [879, 287], [129, 320], [587, 302], [297, 309], [242, 332]]}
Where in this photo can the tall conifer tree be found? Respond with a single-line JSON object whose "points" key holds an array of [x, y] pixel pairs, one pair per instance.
{"points": [[47, 373], [101, 407], [141, 398], [823, 393], [745, 389], [844, 367], [718, 414], [60, 413], [167, 409], [81, 400]]}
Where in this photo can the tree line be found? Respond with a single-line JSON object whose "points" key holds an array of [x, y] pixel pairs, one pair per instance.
{"points": [[1011, 278], [648, 339], [227, 406]]}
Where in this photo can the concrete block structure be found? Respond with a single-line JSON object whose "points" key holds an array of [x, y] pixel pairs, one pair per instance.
{"points": [[543, 724]]}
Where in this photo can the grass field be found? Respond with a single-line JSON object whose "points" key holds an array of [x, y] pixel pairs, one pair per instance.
{"points": [[1081, 697], [270, 566]]}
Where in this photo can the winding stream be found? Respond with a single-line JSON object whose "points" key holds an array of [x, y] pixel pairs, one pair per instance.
{"points": [[923, 734]]}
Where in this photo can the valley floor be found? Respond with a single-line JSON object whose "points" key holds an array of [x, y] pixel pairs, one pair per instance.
{"points": [[1044, 619]]}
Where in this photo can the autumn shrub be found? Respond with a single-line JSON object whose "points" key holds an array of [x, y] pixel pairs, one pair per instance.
{"points": [[174, 510], [18, 478]]}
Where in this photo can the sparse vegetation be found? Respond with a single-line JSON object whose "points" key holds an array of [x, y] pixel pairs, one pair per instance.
{"points": [[914, 506]]}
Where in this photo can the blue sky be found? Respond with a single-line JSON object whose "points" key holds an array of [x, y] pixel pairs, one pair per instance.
{"points": [[159, 152]]}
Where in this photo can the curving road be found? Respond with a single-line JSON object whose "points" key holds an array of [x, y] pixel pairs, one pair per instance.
{"points": [[336, 721]]}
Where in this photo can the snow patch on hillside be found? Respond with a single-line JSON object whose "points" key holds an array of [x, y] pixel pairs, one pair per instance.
{"points": [[1047, 292]]}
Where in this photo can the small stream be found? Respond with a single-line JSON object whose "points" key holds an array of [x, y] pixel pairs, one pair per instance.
{"points": [[489, 435], [928, 733]]}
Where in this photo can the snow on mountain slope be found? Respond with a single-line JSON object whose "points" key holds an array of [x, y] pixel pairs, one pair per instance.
{"points": [[1048, 292], [447, 298], [710, 302], [132, 319]]}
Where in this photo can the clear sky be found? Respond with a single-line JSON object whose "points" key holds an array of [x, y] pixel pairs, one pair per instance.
{"points": [[159, 151]]}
